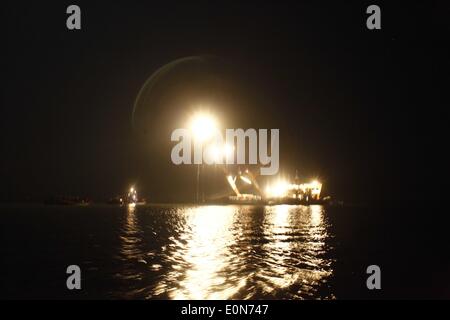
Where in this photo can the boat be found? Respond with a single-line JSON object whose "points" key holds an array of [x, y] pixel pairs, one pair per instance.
{"points": [[130, 198]]}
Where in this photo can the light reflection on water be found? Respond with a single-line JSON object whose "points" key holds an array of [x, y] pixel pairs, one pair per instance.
{"points": [[224, 252]]}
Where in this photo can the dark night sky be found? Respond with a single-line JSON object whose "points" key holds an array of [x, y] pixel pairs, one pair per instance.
{"points": [[363, 110]]}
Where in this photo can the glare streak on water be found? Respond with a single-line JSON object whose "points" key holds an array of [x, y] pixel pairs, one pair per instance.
{"points": [[223, 252]]}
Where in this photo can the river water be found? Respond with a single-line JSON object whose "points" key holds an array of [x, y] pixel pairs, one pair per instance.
{"points": [[192, 252]]}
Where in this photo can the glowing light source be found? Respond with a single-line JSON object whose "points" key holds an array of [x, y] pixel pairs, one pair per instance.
{"points": [[203, 126], [214, 153], [232, 182], [246, 180], [132, 196], [278, 190], [218, 154], [314, 183], [316, 188], [228, 150], [284, 189]]}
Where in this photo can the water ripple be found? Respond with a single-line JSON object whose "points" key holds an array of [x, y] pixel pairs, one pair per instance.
{"points": [[224, 252]]}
